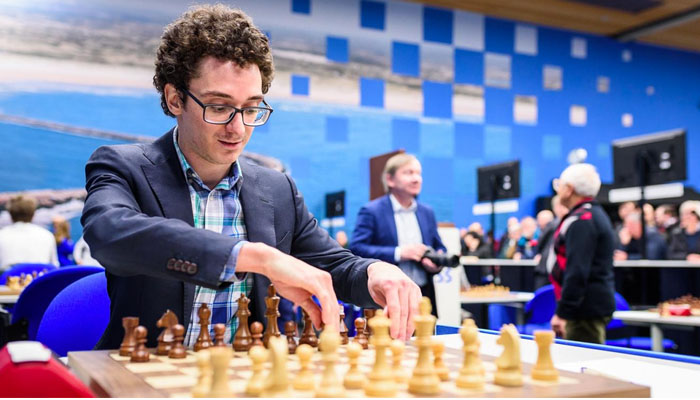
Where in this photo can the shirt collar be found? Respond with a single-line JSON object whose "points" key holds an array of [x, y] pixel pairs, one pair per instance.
{"points": [[233, 179], [397, 207]]}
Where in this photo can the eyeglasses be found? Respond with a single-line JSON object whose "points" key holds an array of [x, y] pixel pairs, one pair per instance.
{"points": [[221, 114]]}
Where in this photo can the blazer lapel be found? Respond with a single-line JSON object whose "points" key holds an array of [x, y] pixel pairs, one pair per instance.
{"points": [[259, 215], [388, 213]]}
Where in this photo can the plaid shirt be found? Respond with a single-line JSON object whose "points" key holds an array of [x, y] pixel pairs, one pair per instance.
{"points": [[217, 210]]}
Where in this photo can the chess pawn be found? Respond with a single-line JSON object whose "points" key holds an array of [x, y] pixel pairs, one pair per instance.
{"points": [[331, 385], [256, 329], [472, 373], [220, 358], [256, 384], [440, 367], [354, 378], [401, 374], [424, 380], [140, 353], [544, 370], [204, 338], [129, 342], [13, 283], [201, 389], [360, 337], [219, 333], [508, 364], [305, 378], [290, 331], [178, 349], [343, 328]]}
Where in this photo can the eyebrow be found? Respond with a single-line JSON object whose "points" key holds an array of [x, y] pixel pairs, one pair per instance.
{"points": [[226, 96]]}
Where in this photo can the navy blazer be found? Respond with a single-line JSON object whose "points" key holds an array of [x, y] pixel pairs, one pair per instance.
{"points": [[375, 230], [138, 223]]}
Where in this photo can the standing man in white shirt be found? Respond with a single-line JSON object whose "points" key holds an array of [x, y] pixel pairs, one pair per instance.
{"points": [[24, 242], [398, 229]]}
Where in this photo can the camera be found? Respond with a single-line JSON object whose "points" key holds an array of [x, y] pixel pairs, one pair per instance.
{"points": [[441, 259]]}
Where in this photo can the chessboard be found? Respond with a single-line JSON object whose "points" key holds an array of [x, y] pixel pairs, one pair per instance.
{"points": [[110, 375]]}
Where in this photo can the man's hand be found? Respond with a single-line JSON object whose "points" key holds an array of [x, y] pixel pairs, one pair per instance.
{"points": [[625, 236], [619, 255], [430, 266], [413, 252], [295, 280], [392, 289], [558, 326], [692, 257]]}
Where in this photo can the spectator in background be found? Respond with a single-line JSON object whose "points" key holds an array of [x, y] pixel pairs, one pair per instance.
{"points": [[81, 254], [630, 240], [64, 244], [24, 242], [666, 219], [504, 238], [544, 217], [582, 271], [544, 242], [509, 245], [398, 229], [527, 244], [473, 245], [342, 238], [685, 239], [622, 211], [649, 219]]}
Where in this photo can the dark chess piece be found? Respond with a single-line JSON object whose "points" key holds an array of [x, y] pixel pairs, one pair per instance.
{"points": [[178, 349], [256, 329], [242, 340], [309, 335], [219, 333], [140, 353], [360, 336], [369, 314], [165, 339], [204, 338], [290, 330], [272, 301], [343, 328], [129, 342]]}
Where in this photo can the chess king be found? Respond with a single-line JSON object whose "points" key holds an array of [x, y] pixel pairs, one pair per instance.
{"points": [[186, 221]]}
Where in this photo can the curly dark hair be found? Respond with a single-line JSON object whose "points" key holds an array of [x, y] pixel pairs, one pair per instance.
{"points": [[209, 30]]}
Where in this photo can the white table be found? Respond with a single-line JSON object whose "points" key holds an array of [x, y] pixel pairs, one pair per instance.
{"points": [[665, 377], [655, 322], [512, 298], [8, 298], [471, 261]]}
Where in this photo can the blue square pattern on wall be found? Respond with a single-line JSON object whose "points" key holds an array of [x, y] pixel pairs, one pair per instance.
{"points": [[300, 85], [497, 142], [551, 147], [469, 140], [469, 67], [499, 35], [405, 134], [405, 59], [372, 14], [372, 92], [301, 6], [437, 99], [337, 49], [437, 25], [336, 129]]}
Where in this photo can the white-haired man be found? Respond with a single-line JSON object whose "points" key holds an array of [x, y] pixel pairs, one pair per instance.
{"points": [[581, 266]]}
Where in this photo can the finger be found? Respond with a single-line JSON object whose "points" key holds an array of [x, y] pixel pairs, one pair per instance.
{"points": [[413, 300], [329, 303], [313, 310], [393, 308], [404, 295]]}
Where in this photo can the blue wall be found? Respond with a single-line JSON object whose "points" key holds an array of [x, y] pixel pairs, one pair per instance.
{"points": [[327, 147]]}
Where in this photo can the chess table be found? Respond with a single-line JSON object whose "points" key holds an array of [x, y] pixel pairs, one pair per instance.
{"points": [[110, 375]]}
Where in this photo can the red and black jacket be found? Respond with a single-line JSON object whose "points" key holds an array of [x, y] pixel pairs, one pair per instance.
{"points": [[580, 263]]}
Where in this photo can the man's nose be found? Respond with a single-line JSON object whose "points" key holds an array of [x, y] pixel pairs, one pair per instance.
{"points": [[235, 125]]}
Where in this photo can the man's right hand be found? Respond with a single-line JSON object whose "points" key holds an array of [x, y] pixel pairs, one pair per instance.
{"points": [[295, 280], [413, 252]]}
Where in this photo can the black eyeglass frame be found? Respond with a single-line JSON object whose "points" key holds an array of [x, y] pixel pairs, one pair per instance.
{"points": [[233, 114]]}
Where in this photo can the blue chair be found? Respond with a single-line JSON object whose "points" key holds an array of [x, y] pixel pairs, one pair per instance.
{"points": [[633, 342], [77, 316], [28, 269], [539, 310], [38, 295]]}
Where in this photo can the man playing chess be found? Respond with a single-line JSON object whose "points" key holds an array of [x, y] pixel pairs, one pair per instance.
{"points": [[183, 221]]}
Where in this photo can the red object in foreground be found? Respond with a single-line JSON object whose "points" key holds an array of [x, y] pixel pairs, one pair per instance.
{"points": [[681, 310], [28, 369]]}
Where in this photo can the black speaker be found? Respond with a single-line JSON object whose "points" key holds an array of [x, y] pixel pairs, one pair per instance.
{"points": [[335, 204]]}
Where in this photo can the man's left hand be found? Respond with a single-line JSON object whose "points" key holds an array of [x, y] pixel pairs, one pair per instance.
{"points": [[430, 266], [392, 289], [558, 326]]}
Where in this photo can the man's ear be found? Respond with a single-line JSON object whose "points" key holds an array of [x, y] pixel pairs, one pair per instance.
{"points": [[173, 99]]}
